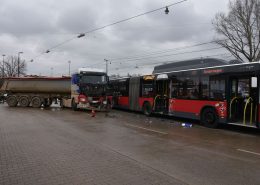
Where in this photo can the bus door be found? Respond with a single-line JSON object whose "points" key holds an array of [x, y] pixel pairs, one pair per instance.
{"points": [[161, 100], [243, 102]]}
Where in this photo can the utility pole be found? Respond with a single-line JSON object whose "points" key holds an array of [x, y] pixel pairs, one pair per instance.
{"points": [[18, 67], [3, 74], [106, 66], [69, 66]]}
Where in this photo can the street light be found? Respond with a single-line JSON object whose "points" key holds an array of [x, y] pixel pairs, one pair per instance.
{"points": [[3, 65], [166, 10], [18, 67], [106, 66], [69, 66]]}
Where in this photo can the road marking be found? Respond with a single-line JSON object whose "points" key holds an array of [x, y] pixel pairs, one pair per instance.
{"points": [[241, 150], [143, 128]]}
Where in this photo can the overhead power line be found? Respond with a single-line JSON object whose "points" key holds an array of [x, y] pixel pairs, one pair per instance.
{"points": [[108, 25], [162, 51], [133, 17], [228, 55], [128, 58], [161, 56]]}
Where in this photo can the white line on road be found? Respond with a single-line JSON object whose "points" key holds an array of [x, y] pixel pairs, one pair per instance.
{"points": [[241, 150], [143, 128]]}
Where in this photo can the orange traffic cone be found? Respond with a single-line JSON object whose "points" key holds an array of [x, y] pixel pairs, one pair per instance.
{"points": [[93, 113]]}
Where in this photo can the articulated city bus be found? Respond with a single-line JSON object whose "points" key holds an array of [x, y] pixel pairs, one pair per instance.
{"points": [[133, 93], [210, 90]]}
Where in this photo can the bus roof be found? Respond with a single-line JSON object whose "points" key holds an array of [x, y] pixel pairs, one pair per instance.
{"points": [[189, 64], [250, 67]]}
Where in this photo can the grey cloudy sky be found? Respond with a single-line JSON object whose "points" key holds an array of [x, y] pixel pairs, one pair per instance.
{"points": [[33, 26]]}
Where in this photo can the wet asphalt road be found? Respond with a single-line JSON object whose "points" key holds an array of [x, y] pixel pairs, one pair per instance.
{"points": [[59, 146]]}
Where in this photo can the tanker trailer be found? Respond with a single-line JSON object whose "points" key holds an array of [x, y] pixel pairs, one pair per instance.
{"points": [[35, 91], [2, 95]]}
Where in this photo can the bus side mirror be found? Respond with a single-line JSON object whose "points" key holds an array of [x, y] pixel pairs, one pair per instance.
{"points": [[254, 82]]}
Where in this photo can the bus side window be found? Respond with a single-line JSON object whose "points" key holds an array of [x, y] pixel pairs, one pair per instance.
{"points": [[217, 89], [147, 89], [174, 89]]}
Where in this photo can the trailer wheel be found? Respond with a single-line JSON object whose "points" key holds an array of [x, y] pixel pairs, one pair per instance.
{"points": [[209, 118], [74, 105], [36, 102], [24, 101], [147, 109], [11, 101]]}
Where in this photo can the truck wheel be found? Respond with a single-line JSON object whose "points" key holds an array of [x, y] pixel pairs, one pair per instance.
{"points": [[74, 105], [147, 109], [108, 105], [113, 104], [36, 102], [61, 103], [11, 101], [47, 102], [24, 101], [209, 118]]}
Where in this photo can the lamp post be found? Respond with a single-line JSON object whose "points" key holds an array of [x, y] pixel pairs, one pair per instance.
{"points": [[69, 66], [18, 67], [3, 65], [106, 66]]}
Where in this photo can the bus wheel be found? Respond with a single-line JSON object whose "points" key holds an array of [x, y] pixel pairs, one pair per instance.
{"points": [[12, 101], [74, 105], [147, 109], [24, 101], [209, 118]]}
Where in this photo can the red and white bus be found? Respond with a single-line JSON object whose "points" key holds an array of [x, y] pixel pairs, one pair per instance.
{"points": [[209, 90], [132, 93]]}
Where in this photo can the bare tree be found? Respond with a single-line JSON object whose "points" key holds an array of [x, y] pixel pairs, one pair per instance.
{"points": [[240, 29], [11, 67]]}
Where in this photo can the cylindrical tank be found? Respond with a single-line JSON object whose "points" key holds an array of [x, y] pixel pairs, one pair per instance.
{"points": [[50, 85]]}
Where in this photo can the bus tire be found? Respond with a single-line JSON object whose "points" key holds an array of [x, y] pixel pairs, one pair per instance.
{"points": [[12, 101], [74, 105], [36, 102], [209, 118], [24, 101], [147, 109]]}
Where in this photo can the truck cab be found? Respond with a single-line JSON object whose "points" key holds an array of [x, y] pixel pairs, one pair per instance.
{"points": [[88, 89]]}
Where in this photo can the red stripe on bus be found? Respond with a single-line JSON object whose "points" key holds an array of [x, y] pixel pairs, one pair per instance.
{"points": [[195, 106]]}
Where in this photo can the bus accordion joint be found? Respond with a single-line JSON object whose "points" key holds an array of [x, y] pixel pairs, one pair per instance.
{"points": [[249, 100]]}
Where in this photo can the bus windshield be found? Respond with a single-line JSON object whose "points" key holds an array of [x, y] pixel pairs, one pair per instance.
{"points": [[93, 79]]}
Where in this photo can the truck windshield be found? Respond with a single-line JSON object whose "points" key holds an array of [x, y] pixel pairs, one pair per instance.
{"points": [[92, 79]]}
